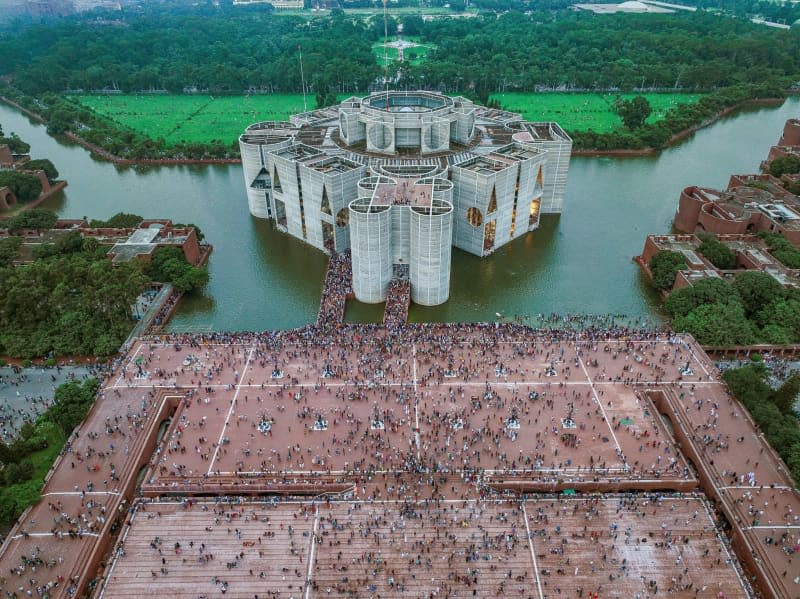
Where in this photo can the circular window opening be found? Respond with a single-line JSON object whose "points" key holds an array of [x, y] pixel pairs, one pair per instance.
{"points": [[474, 217], [342, 217]]}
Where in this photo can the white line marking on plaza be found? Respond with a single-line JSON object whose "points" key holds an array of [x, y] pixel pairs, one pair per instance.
{"points": [[730, 560], [600, 404], [116, 556], [311, 553], [52, 534], [124, 366], [751, 488], [416, 406], [460, 383], [533, 552], [230, 411], [80, 493]]}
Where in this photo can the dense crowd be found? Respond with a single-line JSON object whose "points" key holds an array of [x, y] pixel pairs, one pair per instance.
{"points": [[336, 288]]}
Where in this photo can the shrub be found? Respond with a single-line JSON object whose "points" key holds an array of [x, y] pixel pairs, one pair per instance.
{"points": [[25, 186], [665, 266]]}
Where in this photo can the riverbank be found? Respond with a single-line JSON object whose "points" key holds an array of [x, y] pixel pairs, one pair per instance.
{"points": [[619, 152], [106, 155], [685, 133]]}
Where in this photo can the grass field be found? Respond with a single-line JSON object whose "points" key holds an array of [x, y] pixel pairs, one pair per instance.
{"points": [[193, 119], [202, 119], [415, 55], [581, 112]]}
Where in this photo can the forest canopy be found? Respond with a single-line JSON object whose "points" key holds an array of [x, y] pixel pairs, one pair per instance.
{"points": [[232, 52]]}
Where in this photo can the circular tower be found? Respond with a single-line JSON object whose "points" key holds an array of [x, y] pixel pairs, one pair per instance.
{"points": [[370, 249], [431, 239]]}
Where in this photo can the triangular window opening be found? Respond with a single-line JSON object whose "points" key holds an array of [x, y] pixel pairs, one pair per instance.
{"points": [[326, 205], [276, 181], [492, 202]]}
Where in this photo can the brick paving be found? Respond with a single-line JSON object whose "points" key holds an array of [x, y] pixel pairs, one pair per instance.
{"points": [[407, 420]]}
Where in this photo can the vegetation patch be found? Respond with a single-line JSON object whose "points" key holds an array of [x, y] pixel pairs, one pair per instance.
{"points": [[772, 410], [194, 118], [585, 111], [27, 460], [754, 308], [783, 251]]}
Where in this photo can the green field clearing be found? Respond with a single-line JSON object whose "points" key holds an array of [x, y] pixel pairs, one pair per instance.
{"points": [[202, 119], [581, 112], [195, 119], [415, 55]]}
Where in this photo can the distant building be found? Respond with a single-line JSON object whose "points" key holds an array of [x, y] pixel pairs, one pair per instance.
{"points": [[751, 254], [278, 4], [400, 177], [127, 243], [631, 6], [747, 206]]}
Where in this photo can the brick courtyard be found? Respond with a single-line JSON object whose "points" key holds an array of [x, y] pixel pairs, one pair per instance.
{"points": [[425, 437]]}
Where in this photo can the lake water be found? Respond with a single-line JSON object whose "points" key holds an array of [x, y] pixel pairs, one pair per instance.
{"points": [[578, 262]]}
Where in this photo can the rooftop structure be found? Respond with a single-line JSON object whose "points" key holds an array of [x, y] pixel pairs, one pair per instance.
{"points": [[751, 254], [124, 243], [749, 205], [631, 6], [788, 144], [400, 177]]}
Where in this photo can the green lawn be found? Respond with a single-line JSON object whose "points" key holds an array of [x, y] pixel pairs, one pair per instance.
{"points": [[581, 112], [178, 118], [415, 55], [192, 118]]}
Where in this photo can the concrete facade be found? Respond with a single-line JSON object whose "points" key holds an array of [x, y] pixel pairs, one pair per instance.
{"points": [[401, 177]]}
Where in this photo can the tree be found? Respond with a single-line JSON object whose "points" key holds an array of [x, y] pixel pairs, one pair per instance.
{"points": [[665, 266], [784, 165], [35, 218], [120, 220], [25, 186], [706, 291], [633, 112], [756, 290], [42, 164], [719, 254], [9, 250], [748, 383], [717, 324], [412, 25], [787, 394], [169, 265], [15, 144], [71, 403]]}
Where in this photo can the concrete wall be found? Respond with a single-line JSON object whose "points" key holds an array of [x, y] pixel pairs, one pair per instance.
{"points": [[371, 250], [431, 246]]}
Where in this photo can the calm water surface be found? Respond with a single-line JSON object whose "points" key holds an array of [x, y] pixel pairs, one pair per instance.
{"points": [[579, 262]]}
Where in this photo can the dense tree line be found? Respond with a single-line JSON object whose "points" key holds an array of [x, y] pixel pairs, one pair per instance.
{"points": [[228, 53], [71, 299], [577, 50], [771, 409], [26, 460], [753, 308], [235, 51]]}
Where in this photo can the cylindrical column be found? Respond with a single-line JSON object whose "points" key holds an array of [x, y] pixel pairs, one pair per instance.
{"points": [[371, 250], [431, 229], [252, 163]]}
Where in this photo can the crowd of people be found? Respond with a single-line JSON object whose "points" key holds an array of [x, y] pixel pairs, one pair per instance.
{"points": [[416, 413], [398, 300], [335, 290]]}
